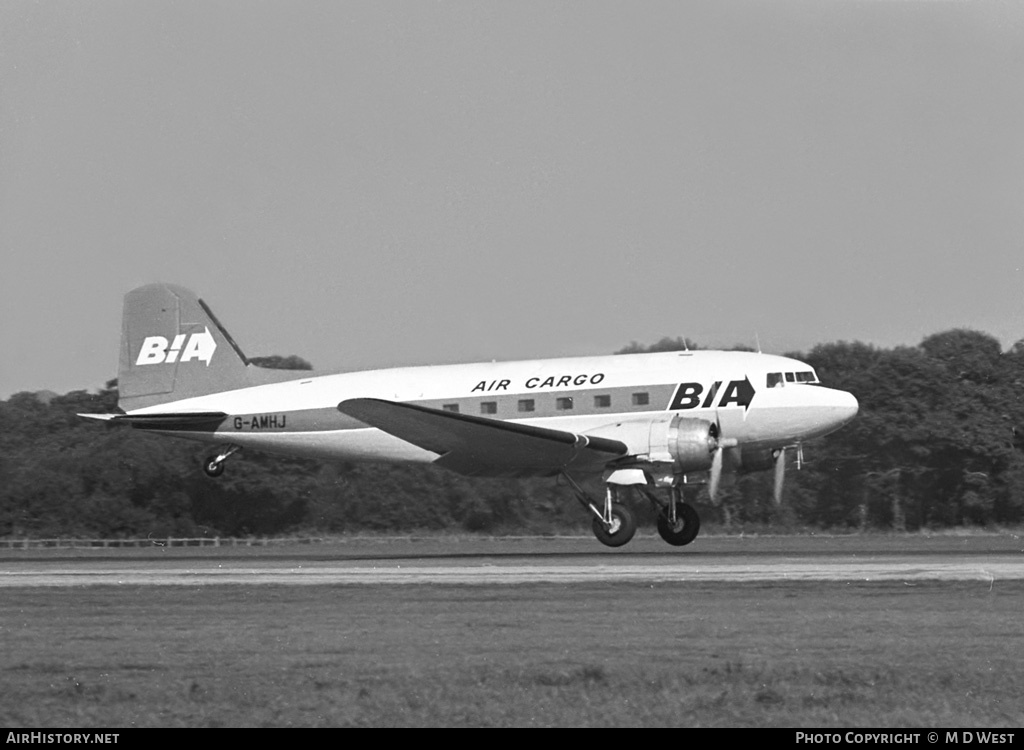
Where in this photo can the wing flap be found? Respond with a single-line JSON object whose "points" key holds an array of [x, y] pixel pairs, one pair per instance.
{"points": [[475, 446]]}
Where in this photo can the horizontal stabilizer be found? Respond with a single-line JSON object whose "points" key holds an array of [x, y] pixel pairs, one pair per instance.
{"points": [[206, 420], [475, 446]]}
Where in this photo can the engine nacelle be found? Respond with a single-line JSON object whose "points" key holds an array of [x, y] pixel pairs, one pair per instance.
{"points": [[686, 443], [690, 443]]}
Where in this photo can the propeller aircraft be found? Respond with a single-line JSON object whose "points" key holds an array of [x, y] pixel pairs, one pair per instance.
{"points": [[647, 422]]}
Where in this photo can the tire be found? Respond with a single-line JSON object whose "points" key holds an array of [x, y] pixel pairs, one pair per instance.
{"points": [[684, 530], [212, 467], [622, 528]]}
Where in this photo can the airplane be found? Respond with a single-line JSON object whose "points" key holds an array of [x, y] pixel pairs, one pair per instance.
{"points": [[645, 422]]}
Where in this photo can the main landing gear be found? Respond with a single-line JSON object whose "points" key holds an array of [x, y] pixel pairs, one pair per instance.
{"points": [[615, 524], [213, 465], [678, 523]]}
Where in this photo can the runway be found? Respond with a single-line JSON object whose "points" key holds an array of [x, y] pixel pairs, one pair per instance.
{"points": [[865, 630], [569, 561]]}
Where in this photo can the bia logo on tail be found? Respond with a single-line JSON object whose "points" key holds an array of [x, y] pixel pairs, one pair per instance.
{"points": [[155, 350]]}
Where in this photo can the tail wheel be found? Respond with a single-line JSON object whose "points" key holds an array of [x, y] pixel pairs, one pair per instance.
{"points": [[684, 529], [213, 466], [620, 530]]}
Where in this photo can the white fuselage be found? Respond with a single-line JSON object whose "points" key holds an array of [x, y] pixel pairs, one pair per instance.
{"points": [[756, 399]]}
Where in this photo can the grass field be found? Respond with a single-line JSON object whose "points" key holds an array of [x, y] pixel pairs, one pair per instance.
{"points": [[612, 654]]}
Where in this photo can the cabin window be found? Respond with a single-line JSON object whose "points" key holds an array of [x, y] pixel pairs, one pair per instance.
{"points": [[488, 407], [526, 404], [602, 402], [451, 407], [775, 380], [641, 399], [563, 403]]}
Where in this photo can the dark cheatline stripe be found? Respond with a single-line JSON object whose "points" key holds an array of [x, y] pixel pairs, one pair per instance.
{"points": [[546, 404], [506, 406], [197, 422]]}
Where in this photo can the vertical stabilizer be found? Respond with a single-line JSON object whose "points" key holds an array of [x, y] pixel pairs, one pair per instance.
{"points": [[172, 347]]}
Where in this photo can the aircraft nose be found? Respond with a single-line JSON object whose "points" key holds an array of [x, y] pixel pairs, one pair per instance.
{"points": [[834, 408], [846, 406], [841, 407]]}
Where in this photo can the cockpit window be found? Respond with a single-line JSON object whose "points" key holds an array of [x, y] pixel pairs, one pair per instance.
{"points": [[779, 379]]}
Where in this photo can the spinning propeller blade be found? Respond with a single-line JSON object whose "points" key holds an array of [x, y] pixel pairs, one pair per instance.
{"points": [[780, 475], [717, 462], [716, 474]]}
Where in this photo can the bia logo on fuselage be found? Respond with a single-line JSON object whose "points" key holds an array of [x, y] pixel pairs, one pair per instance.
{"points": [[692, 395], [157, 350]]}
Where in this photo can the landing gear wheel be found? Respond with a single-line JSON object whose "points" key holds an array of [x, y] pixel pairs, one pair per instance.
{"points": [[685, 528], [213, 466], [620, 530]]}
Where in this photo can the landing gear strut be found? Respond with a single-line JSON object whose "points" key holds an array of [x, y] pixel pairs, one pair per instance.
{"points": [[213, 465], [614, 524]]}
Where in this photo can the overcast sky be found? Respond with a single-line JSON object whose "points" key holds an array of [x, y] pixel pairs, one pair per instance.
{"points": [[369, 184]]}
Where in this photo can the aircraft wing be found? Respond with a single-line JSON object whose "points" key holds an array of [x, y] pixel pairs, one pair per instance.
{"points": [[476, 446]]}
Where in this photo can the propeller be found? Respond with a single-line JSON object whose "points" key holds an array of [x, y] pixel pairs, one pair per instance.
{"points": [[716, 474], [780, 475], [780, 469], [715, 477]]}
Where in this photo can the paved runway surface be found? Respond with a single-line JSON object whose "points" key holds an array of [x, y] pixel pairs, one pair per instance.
{"points": [[494, 562]]}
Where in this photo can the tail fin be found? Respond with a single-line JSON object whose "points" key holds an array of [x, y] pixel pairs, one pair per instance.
{"points": [[172, 348]]}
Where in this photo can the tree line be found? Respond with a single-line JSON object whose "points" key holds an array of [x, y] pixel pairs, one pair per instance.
{"points": [[938, 442]]}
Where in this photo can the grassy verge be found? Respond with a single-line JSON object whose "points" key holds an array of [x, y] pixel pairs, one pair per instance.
{"points": [[810, 654]]}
